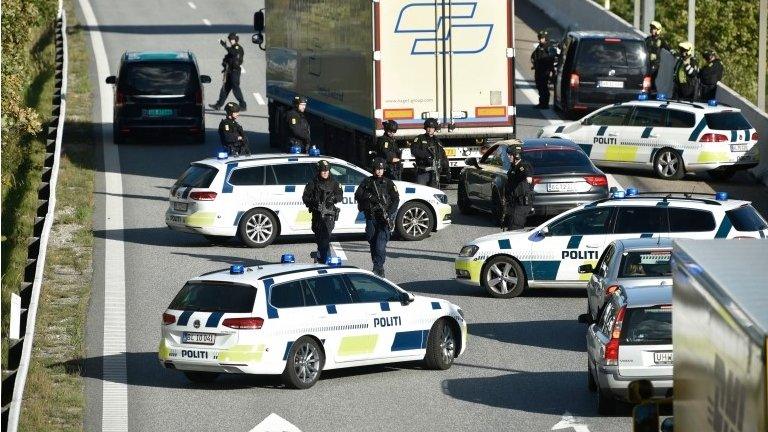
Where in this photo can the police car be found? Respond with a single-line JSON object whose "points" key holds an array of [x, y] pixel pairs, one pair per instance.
{"points": [[671, 137], [550, 254], [257, 198], [300, 319]]}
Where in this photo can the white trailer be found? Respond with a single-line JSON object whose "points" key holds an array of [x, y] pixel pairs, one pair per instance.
{"points": [[361, 62]]}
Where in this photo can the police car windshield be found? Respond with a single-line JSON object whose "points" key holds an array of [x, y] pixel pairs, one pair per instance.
{"points": [[597, 55], [726, 121], [197, 176], [158, 78], [645, 264], [746, 218], [215, 297], [645, 326], [549, 161]]}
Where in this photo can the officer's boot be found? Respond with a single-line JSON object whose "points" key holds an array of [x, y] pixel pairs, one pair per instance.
{"points": [[379, 272]]}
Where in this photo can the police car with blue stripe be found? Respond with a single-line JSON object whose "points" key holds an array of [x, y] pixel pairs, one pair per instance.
{"points": [[300, 319], [257, 198], [671, 137], [550, 254]]}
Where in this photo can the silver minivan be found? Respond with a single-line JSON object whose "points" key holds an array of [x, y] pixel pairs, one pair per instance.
{"points": [[627, 263], [632, 340]]}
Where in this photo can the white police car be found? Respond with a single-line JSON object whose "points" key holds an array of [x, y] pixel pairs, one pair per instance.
{"points": [[300, 319], [258, 198], [671, 137], [550, 255]]}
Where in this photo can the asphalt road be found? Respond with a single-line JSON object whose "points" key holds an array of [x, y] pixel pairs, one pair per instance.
{"points": [[525, 366]]}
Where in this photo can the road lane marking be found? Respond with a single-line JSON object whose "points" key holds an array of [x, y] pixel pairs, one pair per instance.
{"points": [[567, 421], [274, 422], [192, 5], [206, 22], [337, 251], [259, 99], [114, 410]]}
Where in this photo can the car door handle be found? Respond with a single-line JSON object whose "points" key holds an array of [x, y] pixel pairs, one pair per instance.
{"points": [[592, 246], [613, 134]]}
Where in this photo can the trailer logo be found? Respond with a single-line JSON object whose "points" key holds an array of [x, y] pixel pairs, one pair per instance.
{"points": [[462, 35]]}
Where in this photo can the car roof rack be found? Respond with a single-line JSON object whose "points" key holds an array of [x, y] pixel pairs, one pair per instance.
{"points": [[666, 196], [693, 104]]}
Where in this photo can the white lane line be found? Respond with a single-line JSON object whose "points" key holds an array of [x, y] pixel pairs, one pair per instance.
{"points": [[337, 251], [259, 99], [206, 22], [192, 5], [114, 410], [242, 70]]}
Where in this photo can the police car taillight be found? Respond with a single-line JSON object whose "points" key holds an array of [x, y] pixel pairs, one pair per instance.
{"points": [[168, 318], [250, 323], [713, 137], [755, 136], [203, 196]]}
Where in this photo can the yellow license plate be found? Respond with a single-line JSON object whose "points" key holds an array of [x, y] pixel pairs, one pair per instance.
{"points": [[450, 152]]}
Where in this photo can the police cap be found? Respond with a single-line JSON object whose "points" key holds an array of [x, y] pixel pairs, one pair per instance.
{"points": [[323, 165], [515, 149], [234, 36], [431, 123], [686, 47], [709, 53], [231, 107], [298, 100], [390, 126], [656, 25], [378, 163]]}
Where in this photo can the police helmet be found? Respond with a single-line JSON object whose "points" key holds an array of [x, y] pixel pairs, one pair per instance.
{"points": [[686, 48], [431, 123], [543, 34], [234, 36], [378, 163], [390, 126], [515, 149], [656, 25], [231, 108], [298, 100], [709, 53], [323, 165]]}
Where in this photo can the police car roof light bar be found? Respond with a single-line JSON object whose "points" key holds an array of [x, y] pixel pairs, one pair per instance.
{"points": [[721, 196], [642, 96], [618, 194], [712, 102], [222, 155], [287, 258], [314, 151], [237, 268], [631, 191], [294, 150], [661, 96], [333, 261]]}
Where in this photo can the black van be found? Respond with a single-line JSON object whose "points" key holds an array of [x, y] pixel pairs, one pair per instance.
{"points": [[158, 90], [600, 68]]}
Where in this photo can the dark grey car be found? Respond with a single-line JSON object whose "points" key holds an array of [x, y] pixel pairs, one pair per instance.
{"points": [[563, 177]]}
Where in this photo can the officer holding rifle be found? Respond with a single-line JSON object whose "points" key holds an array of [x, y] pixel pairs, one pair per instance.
{"points": [[321, 195], [378, 199]]}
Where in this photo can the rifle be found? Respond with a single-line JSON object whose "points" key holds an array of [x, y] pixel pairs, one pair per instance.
{"points": [[326, 207], [380, 211]]}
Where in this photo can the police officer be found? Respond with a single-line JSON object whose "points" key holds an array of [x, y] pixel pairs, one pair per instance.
{"points": [[298, 126], [685, 73], [378, 199], [543, 61], [710, 74], [654, 43], [429, 155], [233, 138], [387, 149], [517, 191], [321, 195], [231, 63]]}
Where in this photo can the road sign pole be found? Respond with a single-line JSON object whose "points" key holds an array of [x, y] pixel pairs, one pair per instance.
{"points": [[761, 56], [692, 22]]}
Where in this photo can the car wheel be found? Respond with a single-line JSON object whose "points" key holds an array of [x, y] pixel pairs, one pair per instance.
{"points": [[503, 277], [497, 210], [591, 383], [201, 377], [606, 405], [465, 207], [668, 164], [217, 240], [721, 174], [258, 228], [441, 346], [305, 362], [414, 221]]}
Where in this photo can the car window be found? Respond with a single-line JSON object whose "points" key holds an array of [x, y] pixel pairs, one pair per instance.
{"points": [[639, 264], [554, 160], [598, 55], [728, 120], [215, 297], [291, 294], [291, 174], [490, 153], [608, 260], [158, 78], [690, 220], [646, 326], [370, 289], [585, 222], [329, 290], [497, 156], [615, 116], [602, 262], [647, 117], [253, 176], [746, 218], [630, 220], [197, 176], [681, 119], [346, 175]]}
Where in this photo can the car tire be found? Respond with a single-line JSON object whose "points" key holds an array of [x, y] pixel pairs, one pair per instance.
{"points": [[606, 405], [414, 221], [217, 240], [498, 272], [721, 174], [441, 346], [465, 206], [258, 228], [591, 383], [668, 164], [201, 377], [304, 365], [497, 211]]}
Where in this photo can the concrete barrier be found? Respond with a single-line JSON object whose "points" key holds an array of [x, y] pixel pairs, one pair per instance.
{"points": [[588, 15]]}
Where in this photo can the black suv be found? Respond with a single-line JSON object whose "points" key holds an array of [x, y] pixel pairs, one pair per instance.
{"points": [[158, 90], [600, 68]]}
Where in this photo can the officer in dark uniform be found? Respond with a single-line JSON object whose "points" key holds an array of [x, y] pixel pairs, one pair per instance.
{"points": [[654, 43], [233, 138], [710, 74], [231, 63], [517, 191], [686, 74], [298, 126], [543, 61], [378, 199], [387, 149], [321, 195], [429, 155]]}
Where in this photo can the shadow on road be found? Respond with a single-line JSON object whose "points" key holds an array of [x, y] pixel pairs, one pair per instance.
{"points": [[442, 287], [553, 334]]}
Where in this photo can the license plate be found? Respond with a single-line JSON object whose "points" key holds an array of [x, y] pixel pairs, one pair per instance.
{"points": [[738, 147], [198, 338], [177, 219], [158, 112], [450, 152], [664, 358], [610, 84], [561, 187], [180, 206]]}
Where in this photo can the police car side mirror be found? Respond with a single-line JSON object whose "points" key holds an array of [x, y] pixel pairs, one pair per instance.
{"points": [[205, 79], [668, 425], [406, 298], [471, 161], [258, 21], [544, 232], [586, 121], [586, 269], [111, 79], [585, 318]]}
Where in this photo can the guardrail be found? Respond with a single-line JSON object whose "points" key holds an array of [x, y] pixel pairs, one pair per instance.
{"points": [[20, 351], [588, 15]]}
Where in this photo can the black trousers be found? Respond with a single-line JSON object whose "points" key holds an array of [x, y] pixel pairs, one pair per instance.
{"points": [[427, 178], [542, 85], [231, 83], [517, 215], [323, 228], [378, 234], [394, 171]]}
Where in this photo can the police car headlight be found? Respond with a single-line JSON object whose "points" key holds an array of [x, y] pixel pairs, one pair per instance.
{"points": [[468, 251], [540, 133], [443, 198]]}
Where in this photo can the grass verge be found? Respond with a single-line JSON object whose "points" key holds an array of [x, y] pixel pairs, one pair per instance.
{"points": [[54, 396]]}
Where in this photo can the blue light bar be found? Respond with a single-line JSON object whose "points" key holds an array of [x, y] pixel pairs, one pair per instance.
{"points": [[314, 151], [618, 194], [642, 96], [661, 96], [712, 102], [287, 259], [631, 191], [294, 149], [236, 269], [333, 261], [721, 196], [222, 155]]}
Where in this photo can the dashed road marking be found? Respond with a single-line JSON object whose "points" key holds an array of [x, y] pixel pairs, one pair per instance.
{"points": [[206, 22], [337, 251], [259, 99], [192, 5]]}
